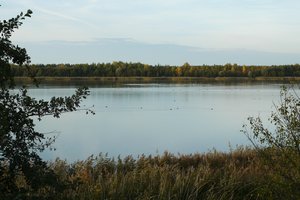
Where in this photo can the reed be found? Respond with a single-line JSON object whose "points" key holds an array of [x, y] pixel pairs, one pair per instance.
{"points": [[238, 174]]}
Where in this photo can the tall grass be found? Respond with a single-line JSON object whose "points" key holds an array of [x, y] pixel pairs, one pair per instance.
{"points": [[238, 174]]}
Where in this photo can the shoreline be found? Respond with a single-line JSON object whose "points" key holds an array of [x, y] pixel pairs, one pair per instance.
{"points": [[103, 80]]}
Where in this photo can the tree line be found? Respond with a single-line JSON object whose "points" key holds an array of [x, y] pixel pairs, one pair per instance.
{"points": [[122, 69]]}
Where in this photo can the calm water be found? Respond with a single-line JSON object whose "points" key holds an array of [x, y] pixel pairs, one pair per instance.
{"points": [[151, 118]]}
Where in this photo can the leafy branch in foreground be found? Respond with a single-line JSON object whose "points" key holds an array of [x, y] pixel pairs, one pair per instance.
{"points": [[19, 142], [21, 169], [10, 53], [55, 107], [280, 148]]}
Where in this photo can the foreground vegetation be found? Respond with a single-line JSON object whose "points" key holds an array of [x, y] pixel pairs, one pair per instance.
{"points": [[239, 174]]}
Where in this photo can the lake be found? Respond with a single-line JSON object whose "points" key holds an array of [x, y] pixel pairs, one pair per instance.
{"points": [[135, 119]]}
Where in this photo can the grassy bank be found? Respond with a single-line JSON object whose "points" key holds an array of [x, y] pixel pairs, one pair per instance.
{"points": [[239, 174], [105, 80]]}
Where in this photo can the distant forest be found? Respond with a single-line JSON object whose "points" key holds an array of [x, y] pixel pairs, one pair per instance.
{"points": [[121, 69]]}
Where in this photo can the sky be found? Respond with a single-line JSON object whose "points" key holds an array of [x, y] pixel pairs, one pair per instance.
{"points": [[262, 32]]}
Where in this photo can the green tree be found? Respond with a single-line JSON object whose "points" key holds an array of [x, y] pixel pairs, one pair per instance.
{"points": [[280, 147], [22, 171]]}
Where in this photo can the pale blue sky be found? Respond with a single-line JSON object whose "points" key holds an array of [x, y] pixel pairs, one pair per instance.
{"points": [[266, 26]]}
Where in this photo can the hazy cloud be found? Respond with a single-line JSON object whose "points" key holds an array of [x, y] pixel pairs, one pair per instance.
{"points": [[255, 25], [128, 50]]}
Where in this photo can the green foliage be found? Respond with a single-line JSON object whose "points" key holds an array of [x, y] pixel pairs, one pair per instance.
{"points": [[22, 171], [121, 69], [280, 148], [8, 51]]}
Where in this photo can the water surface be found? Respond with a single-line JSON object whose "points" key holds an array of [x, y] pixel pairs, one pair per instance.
{"points": [[152, 118]]}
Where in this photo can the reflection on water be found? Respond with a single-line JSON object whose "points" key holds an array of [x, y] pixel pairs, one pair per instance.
{"points": [[151, 118]]}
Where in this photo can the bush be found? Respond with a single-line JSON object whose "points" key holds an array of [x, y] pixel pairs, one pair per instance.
{"points": [[280, 149]]}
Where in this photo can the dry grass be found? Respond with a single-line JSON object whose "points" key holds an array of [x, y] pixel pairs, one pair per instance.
{"points": [[238, 174], [215, 175]]}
